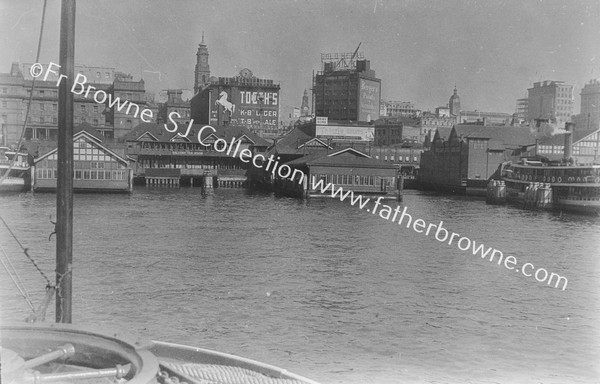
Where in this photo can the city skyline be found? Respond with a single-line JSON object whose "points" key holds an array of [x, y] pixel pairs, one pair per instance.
{"points": [[420, 50]]}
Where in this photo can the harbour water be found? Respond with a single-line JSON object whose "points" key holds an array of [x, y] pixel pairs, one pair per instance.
{"points": [[323, 288]]}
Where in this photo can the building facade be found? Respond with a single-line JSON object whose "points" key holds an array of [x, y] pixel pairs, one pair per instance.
{"points": [[174, 107], [397, 131], [241, 101], [153, 147], [550, 100], [585, 146], [485, 118], [122, 121], [589, 117], [429, 122], [466, 156], [399, 109], [95, 167], [351, 94], [15, 92], [347, 168], [522, 109]]}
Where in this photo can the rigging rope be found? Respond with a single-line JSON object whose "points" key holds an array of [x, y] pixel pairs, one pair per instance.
{"points": [[37, 59], [26, 251], [19, 284]]}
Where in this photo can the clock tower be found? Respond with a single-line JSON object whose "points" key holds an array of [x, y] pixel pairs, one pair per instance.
{"points": [[202, 71]]}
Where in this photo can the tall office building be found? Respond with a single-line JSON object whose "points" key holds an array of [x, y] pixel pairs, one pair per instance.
{"points": [[346, 92], [550, 100], [589, 118]]}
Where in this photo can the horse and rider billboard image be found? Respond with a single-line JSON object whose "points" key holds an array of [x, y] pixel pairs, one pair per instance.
{"points": [[222, 101], [251, 107]]}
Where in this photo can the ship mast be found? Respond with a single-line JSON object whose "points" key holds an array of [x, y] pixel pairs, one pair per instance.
{"points": [[64, 180]]}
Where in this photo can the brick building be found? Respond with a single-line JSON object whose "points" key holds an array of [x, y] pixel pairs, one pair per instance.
{"points": [[174, 107], [15, 90], [349, 94], [466, 156], [241, 101]]}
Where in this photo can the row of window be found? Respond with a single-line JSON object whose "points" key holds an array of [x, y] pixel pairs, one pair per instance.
{"points": [[210, 147], [203, 165], [589, 143], [584, 147], [556, 150], [356, 180], [585, 151], [83, 174], [400, 158], [99, 74], [51, 163], [83, 108]]}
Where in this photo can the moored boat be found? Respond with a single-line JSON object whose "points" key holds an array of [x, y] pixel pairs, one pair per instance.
{"points": [[16, 165], [575, 188]]}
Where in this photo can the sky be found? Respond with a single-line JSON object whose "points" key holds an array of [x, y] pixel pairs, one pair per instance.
{"points": [[492, 50]]}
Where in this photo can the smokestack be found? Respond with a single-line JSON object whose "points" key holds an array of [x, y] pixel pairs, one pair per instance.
{"points": [[568, 140]]}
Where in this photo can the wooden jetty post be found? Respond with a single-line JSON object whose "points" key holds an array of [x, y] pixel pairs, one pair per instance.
{"points": [[207, 183], [400, 191]]}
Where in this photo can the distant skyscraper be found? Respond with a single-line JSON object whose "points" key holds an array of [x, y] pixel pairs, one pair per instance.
{"points": [[454, 103], [590, 105], [550, 100], [202, 71], [347, 94]]}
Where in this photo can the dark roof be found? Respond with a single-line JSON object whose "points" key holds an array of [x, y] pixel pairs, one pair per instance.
{"points": [[297, 135], [347, 157], [159, 132], [500, 136], [293, 142]]}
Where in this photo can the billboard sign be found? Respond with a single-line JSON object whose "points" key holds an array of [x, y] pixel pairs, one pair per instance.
{"points": [[346, 133], [369, 95], [251, 107]]}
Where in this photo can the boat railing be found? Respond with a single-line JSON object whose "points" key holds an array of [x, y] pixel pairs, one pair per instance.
{"points": [[554, 179], [22, 164]]}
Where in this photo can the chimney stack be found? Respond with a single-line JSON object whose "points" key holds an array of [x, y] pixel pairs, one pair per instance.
{"points": [[568, 140]]}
